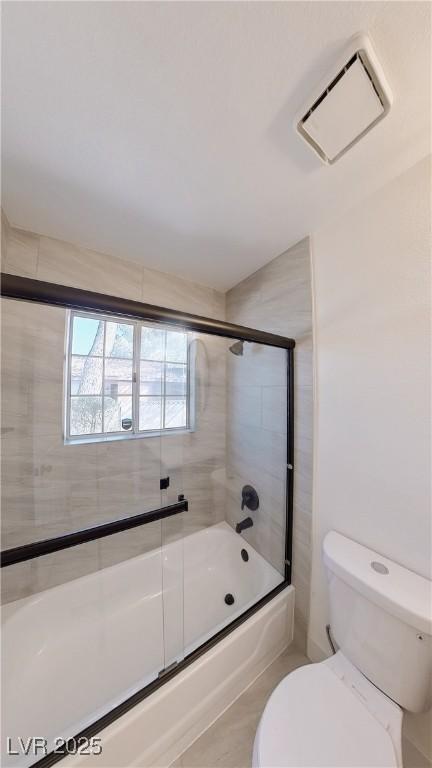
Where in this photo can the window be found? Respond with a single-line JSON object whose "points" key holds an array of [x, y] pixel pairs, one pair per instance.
{"points": [[125, 378]]}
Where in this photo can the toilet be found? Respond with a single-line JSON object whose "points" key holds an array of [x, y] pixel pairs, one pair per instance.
{"points": [[347, 711]]}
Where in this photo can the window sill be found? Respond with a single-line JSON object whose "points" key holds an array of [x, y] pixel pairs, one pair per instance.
{"points": [[84, 440]]}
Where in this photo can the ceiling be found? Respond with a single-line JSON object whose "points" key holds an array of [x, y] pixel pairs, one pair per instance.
{"points": [[163, 131]]}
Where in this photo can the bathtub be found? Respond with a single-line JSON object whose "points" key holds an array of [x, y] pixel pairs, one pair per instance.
{"points": [[74, 652]]}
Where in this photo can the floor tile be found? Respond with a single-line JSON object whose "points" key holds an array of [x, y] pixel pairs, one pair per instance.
{"points": [[228, 743], [412, 757]]}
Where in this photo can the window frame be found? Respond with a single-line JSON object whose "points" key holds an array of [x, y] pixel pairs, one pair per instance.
{"points": [[135, 432]]}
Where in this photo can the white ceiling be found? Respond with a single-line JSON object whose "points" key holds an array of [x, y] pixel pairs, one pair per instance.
{"points": [[162, 132]]}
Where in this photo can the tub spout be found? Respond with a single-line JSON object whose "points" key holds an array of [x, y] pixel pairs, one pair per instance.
{"points": [[246, 523]]}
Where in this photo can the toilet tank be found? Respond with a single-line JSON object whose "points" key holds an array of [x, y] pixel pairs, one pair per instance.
{"points": [[380, 618]]}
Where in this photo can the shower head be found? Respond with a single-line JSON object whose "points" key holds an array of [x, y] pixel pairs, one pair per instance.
{"points": [[237, 348]]}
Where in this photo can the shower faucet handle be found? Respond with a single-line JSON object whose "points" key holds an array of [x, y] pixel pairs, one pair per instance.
{"points": [[250, 498]]}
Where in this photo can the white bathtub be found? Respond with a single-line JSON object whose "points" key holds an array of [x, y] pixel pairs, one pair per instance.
{"points": [[73, 652]]}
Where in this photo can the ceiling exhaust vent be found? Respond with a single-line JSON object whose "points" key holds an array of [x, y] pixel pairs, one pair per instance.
{"points": [[347, 104]]}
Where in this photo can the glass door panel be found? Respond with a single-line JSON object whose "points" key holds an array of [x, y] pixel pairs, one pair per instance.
{"points": [[194, 459], [257, 449], [72, 460], [231, 551]]}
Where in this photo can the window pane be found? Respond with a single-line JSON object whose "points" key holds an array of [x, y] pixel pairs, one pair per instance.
{"points": [[152, 344], [87, 336], [150, 415], [118, 377], [176, 347], [85, 415], [102, 362], [175, 379], [118, 414], [150, 378], [86, 375], [119, 340], [175, 413]]}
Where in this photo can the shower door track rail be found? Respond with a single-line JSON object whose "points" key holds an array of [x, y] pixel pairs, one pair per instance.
{"points": [[29, 289], [74, 539]]}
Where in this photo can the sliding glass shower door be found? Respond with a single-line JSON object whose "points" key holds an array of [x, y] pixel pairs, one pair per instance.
{"points": [[146, 501]]}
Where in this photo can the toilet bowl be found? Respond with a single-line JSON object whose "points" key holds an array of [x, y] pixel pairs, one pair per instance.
{"points": [[347, 711], [329, 714]]}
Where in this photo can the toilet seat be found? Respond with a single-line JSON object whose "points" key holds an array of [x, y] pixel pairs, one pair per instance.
{"points": [[329, 714]]}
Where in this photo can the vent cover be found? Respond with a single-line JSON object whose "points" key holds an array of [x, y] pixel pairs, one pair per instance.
{"points": [[347, 105]]}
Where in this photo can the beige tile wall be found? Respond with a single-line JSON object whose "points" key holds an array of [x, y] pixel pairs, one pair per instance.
{"points": [[277, 299], [50, 488], [45, 258]]}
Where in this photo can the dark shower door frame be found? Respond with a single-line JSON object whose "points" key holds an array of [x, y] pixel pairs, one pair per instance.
{"points": [[39, 292]]}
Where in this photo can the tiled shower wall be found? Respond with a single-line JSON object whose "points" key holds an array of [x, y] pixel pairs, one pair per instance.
{"points": [[277, 299], [52, 488]]}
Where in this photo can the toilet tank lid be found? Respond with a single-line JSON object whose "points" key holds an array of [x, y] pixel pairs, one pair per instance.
{"points": [[396, 589]]}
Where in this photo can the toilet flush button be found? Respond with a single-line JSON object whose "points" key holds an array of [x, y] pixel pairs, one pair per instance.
{"points": [[379, 567]]}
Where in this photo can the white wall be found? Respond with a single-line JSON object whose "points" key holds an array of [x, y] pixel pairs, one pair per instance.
{"points": [[372, 422]]}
